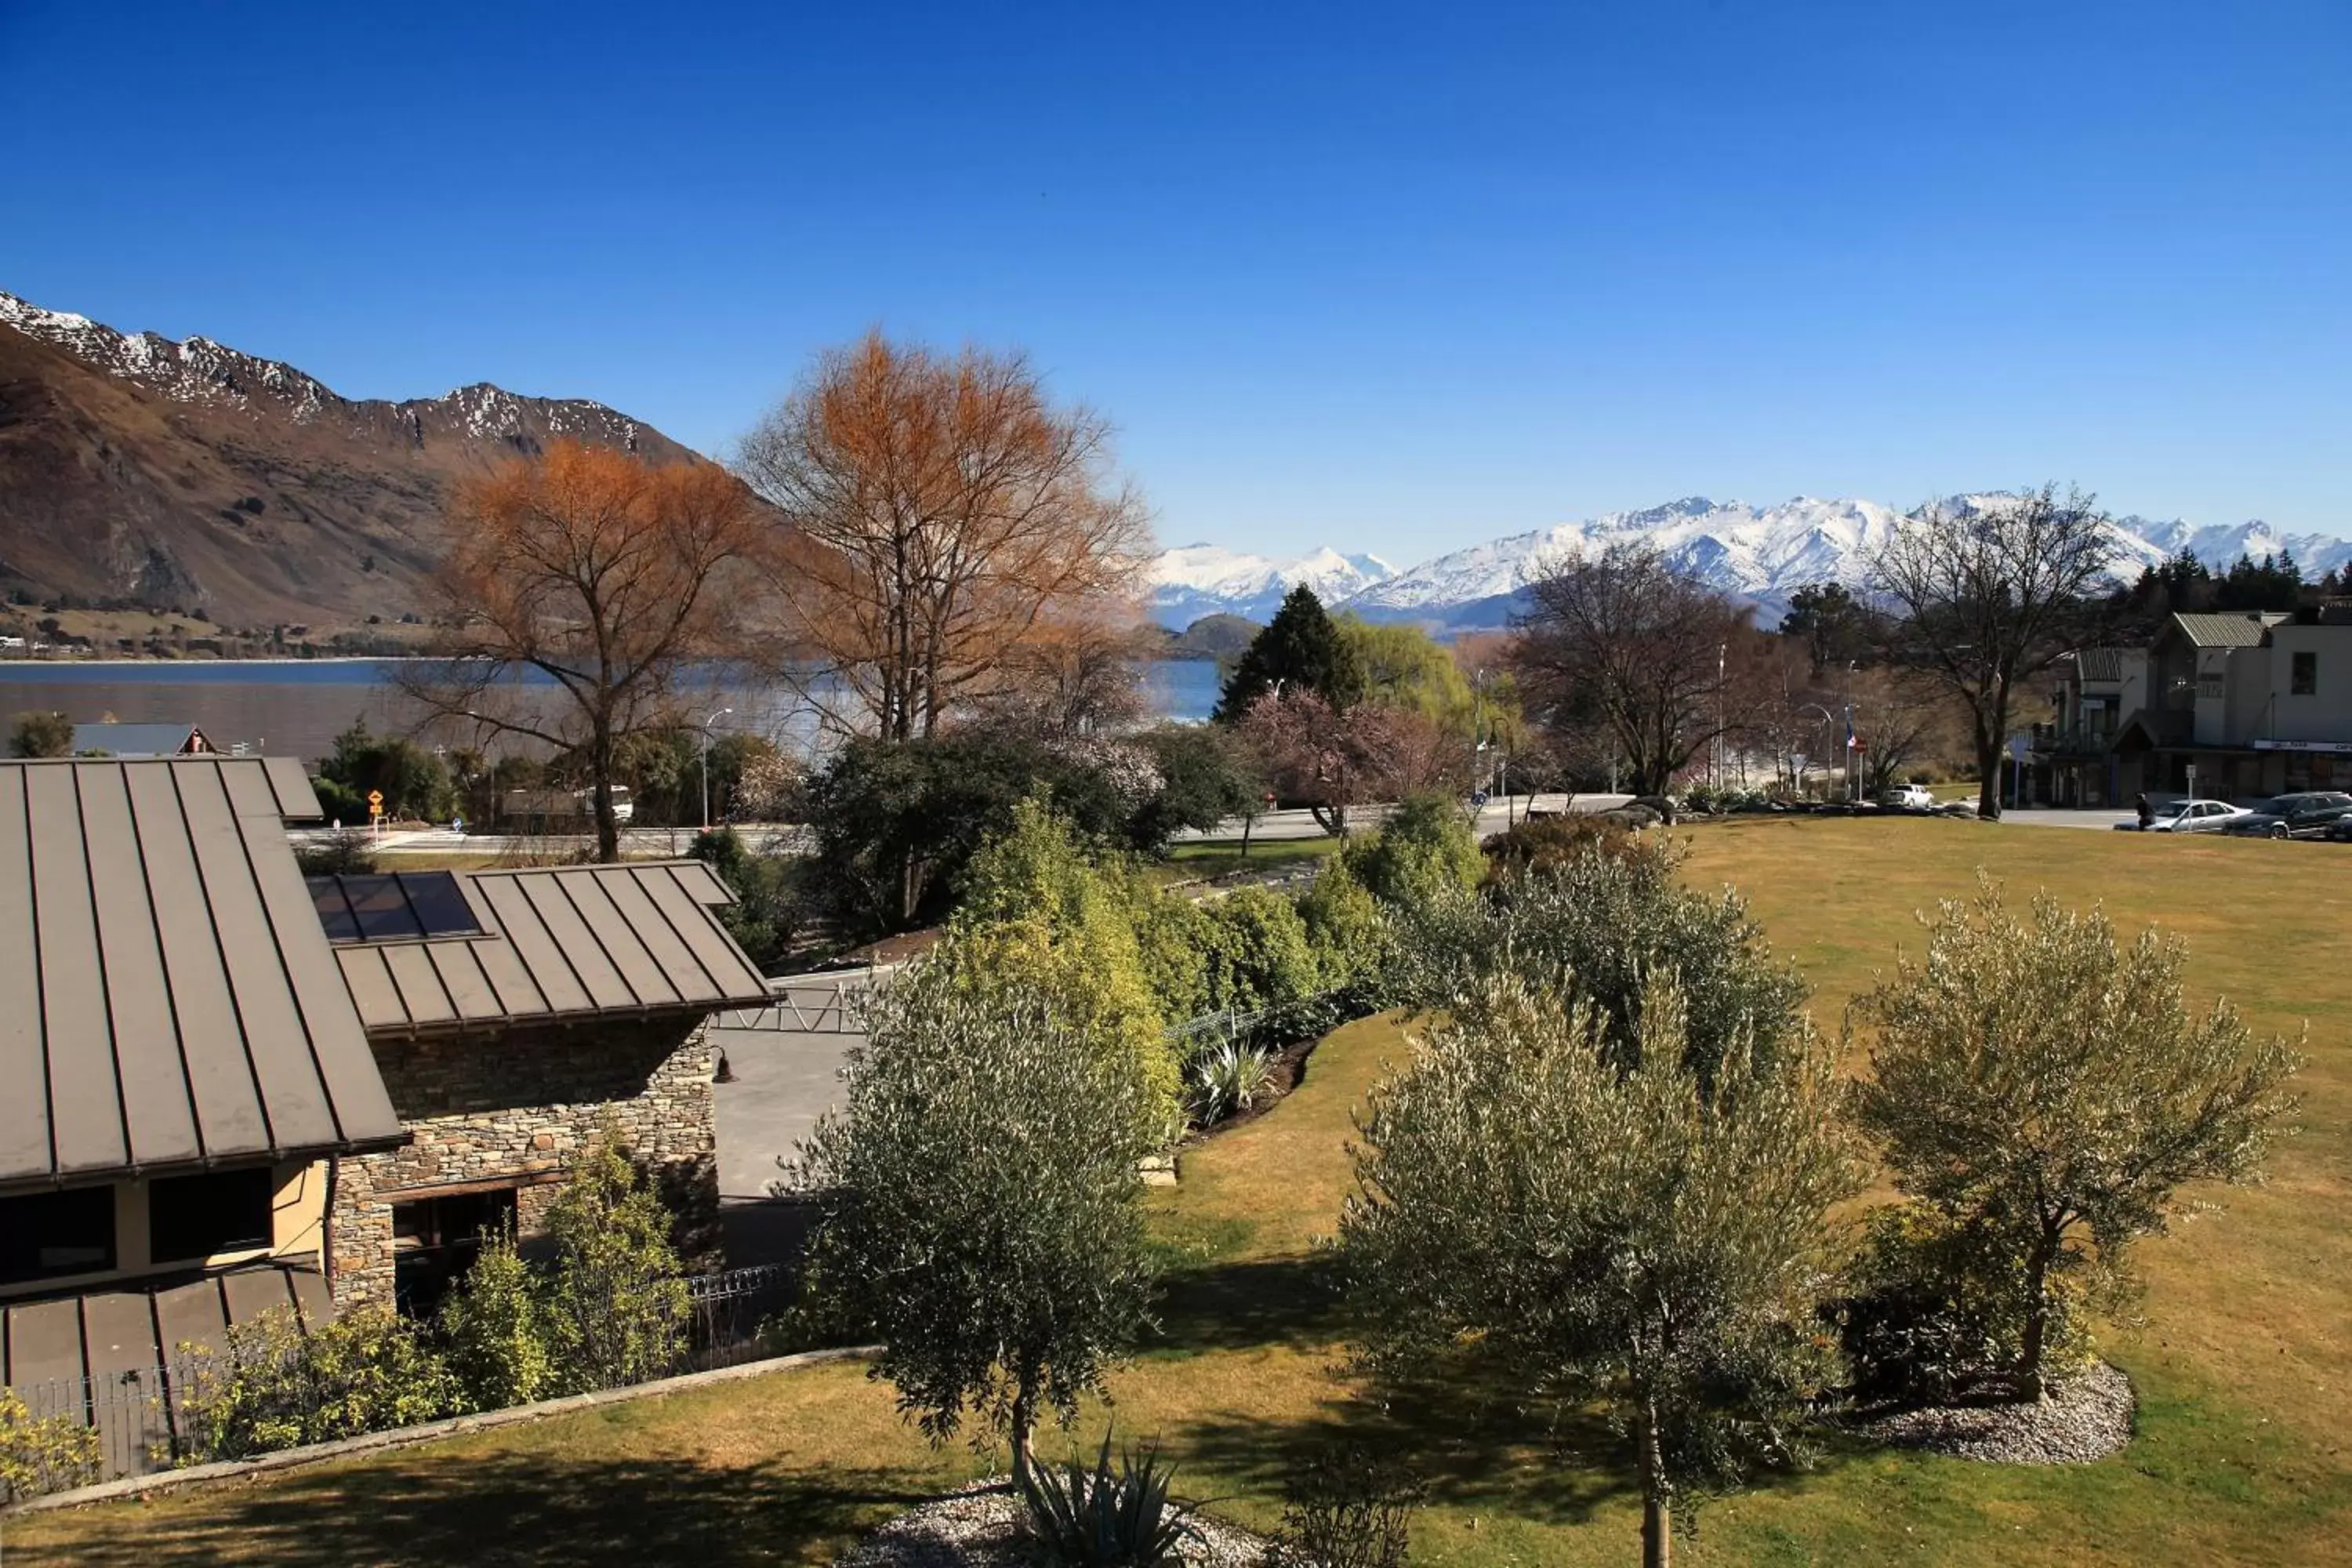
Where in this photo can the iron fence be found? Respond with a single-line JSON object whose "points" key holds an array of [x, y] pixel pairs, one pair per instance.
{"points": [[143, 1428]]}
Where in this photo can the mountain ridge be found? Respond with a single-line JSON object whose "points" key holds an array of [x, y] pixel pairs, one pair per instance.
{"points": [[1761, 554], [139, 470]]}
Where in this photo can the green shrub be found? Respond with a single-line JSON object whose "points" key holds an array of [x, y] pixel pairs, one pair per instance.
{"points": [[1256, 951], [1600, 926], [497, 1331], [1171, 942], [272, 1385], [1546, 843], [1425, 850], [1106, 1518], [769, 908], [618, 1307], [1035, 911], [42, 1454], [1349, 1506], [1937, 1311], [1348, 934]]}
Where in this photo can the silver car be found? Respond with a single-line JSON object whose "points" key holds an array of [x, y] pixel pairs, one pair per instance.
{"points": [[2190, 816]]}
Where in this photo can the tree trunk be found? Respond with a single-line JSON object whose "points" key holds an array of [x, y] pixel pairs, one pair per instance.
{"points": [[1988, 762], [1332, 819], [1657, 1518], [608, 824], [1025, 1435], [2029, 1382]]}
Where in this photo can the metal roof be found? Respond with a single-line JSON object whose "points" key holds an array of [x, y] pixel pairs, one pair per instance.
{"points": [[2099, 663], [558, 943], [2226, 631], [134, 739], [167, 997]]}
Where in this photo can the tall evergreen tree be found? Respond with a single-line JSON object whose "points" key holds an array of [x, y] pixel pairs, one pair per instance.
{"points": [[1300, 648]]}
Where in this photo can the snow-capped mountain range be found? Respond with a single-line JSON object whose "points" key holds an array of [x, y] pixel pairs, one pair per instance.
{"points": [[1762, 554]]}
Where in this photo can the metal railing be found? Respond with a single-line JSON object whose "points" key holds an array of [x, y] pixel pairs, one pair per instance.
{"points": [[800, 1010], [143, 1429], [135, 1414]]}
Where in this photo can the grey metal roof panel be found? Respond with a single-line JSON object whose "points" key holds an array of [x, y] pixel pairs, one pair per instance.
{"points": [[2225, 631], [561, 943], [179, 1004]]}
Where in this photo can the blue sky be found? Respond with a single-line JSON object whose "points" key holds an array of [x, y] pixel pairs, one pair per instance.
{"points": [[1396, 278]]}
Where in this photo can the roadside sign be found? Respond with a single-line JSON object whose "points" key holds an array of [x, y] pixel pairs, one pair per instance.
{"points": [[376, 803]]}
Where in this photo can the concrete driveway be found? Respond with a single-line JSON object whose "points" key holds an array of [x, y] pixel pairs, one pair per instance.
{"points": [[782, 1080]]}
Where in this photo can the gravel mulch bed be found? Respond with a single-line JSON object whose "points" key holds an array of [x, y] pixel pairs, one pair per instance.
{"points": [[2085, 1419], [980, 1527]]}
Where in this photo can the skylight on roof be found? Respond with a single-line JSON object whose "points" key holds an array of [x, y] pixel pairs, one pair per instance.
{"points": [[399, 906]]}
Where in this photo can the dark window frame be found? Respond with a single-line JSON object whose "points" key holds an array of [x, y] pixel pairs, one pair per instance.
{"points": [[191, 1218], [2302, 677], [35, 1224]]}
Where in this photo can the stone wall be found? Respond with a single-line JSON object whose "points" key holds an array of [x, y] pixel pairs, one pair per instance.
{"points": [[512, 1108]]}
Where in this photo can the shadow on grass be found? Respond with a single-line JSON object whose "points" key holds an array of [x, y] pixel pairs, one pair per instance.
{"points": [[1249, 1305], [1476, 1454], [500, 1510]]}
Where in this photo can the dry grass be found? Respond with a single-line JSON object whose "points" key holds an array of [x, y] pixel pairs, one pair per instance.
{"points": [[2241, 1360]]}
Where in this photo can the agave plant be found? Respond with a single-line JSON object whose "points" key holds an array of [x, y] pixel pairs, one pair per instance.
{"points": [[1231, 1078], [1107, 1517]]}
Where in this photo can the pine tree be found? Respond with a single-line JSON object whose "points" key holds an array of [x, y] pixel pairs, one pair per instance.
{"points": [[1300, 649]]}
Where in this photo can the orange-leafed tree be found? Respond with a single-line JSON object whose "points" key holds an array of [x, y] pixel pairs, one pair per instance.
{"points": [[942, 521], [602, 573]]}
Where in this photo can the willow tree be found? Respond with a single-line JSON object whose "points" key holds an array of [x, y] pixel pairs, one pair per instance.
{"points": [[600, 572], [1535, 1217], [942, 521]]}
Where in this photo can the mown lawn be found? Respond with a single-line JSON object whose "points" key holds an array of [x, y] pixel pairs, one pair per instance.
{"points": [[2241, 1357]]}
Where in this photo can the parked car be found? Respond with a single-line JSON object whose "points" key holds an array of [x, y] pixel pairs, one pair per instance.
{"points": [[2306, 814], [1907, 797], [2340, 830], [2190, 816]]}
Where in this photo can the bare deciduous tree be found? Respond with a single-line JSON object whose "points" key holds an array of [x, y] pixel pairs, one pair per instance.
{"points": [[1990, 594], [1623, 644], [599, 571], [943, 517]]}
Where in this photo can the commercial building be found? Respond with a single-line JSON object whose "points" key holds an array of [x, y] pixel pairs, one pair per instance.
{"points": [[2240, 706]]}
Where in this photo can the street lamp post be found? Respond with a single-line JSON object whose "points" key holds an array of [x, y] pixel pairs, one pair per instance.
{"points": [[706, 764]]}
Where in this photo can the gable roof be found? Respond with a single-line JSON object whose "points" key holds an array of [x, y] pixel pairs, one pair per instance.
{"points": [[2226, 630], [561, 943], [167, 997], [134, 739], [2099, 663]]}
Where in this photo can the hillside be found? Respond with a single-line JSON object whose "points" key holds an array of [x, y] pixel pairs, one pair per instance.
{"points": [[139, 471]]}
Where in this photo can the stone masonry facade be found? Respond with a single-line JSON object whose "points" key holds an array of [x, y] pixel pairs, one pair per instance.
{"points": [[512, 1108]]}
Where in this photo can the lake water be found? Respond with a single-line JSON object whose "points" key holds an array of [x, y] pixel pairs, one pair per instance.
{"points": [[296, 706]]}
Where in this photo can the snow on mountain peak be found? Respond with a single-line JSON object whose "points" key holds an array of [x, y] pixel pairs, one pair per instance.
{"points": [[1760, 553]]}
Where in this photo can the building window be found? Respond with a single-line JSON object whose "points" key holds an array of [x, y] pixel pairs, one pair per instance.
{"points": [[435, 1240], [2306, 674], [47, 1236], [191, 1218]]}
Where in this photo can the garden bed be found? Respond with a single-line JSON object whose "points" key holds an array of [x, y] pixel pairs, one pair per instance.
{"points": [[981, 1526]]}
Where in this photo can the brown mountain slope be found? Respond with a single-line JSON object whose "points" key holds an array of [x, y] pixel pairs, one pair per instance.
{"points": [[137, 470]]}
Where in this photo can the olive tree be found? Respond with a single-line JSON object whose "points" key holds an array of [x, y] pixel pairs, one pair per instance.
{"points": [[1530, 1210], [2046, 1091], [981, 1197], [1597, 924]]}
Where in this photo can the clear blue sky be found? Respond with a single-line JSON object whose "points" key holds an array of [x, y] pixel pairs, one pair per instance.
{"points": [[1396, 278]]}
